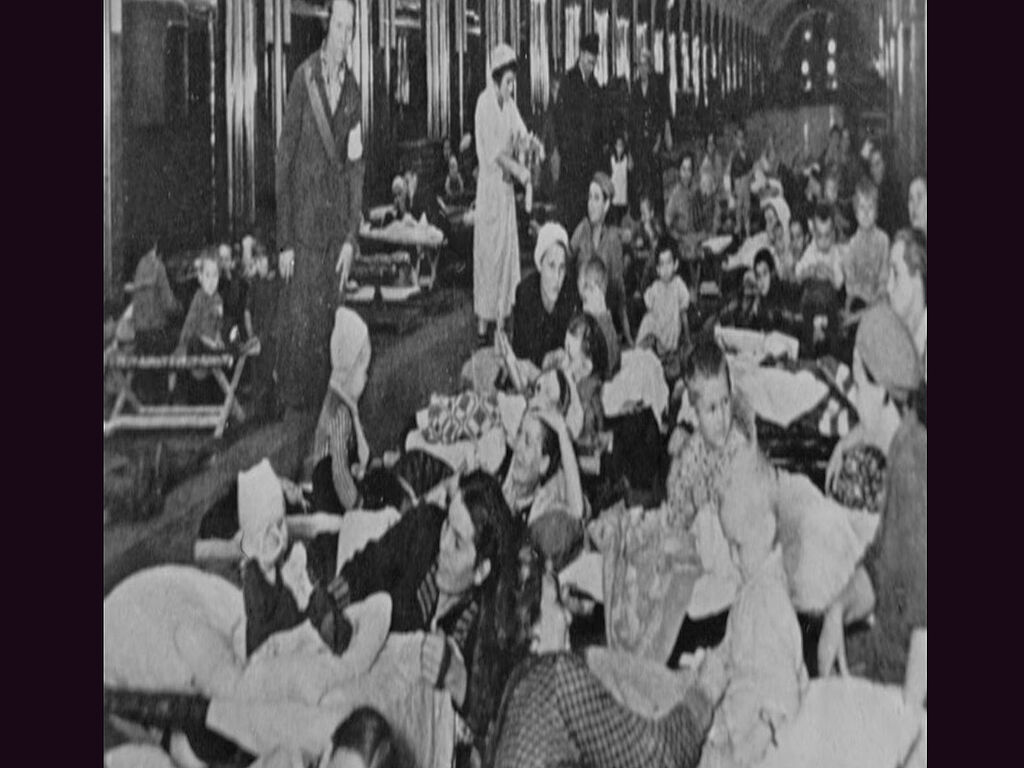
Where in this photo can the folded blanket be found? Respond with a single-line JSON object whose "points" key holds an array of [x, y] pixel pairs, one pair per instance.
{"points": [[822, 541], [422, 717], [849, 722], [178, 629], [487, 452], [640, 379], [781, 396]]}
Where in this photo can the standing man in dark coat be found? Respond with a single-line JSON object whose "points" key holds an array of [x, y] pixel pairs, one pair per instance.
{"points": [[648, 122], [578, 125], [319, 182]]}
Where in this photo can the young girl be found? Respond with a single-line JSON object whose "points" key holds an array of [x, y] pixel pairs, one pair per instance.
{"points": [[667, 300], [453, 183], [585, 360], [620, 165]]}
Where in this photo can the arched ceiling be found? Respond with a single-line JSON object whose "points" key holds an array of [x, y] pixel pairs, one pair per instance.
{"points": [[762, 15]]}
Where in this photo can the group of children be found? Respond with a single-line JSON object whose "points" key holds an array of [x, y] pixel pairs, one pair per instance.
{"points": [[233, 309]]}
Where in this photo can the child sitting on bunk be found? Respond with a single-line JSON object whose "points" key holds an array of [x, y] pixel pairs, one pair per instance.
{"points": [[667, 300], [762, 650], [454, 186], [592, 285], [276, 588], [584, 358], [866, 260], [202, 330]]}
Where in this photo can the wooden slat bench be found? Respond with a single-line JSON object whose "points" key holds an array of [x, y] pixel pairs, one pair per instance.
{"points": [[121, 367]]}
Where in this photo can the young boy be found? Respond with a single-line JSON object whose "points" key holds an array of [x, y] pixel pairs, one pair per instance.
{"points": [[233, 289], [276, 589], [202, 330], [667, 300], [592, 284], [762, 648], [866, 261], [454, 186], [700, 470]]}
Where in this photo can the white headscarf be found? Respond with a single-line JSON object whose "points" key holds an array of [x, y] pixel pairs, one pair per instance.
{"points": [[350, 361], [778, 204]]}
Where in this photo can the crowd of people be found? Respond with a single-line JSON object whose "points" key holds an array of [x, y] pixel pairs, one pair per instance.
{"points": [[601, 417]]}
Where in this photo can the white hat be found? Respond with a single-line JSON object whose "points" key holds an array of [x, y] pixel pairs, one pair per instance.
{"points": [[548, 235], [501, 55], [260, 503]]}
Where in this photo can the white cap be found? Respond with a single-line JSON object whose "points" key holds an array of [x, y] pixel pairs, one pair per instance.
{"points": [[260, 503], [548, 235]]}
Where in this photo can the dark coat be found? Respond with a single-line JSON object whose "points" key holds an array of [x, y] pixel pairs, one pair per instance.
{"points": [[578, 124], [318, 210], [317, 204]]}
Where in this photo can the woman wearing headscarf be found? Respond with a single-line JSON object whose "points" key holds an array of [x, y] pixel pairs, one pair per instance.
{"points": [[340, 449], [499, 128], [892, 581], [776, 212], [545, 301]]}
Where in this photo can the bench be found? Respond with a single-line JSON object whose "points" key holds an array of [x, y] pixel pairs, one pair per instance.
{"points": [[121, 367]]}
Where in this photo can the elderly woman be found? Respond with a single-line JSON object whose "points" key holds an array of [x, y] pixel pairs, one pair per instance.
{"points": [[892, 582], [340, 449], [558, 709], [908, 287], [499, 128], [917, 204], [595, 238], [545, 301]]}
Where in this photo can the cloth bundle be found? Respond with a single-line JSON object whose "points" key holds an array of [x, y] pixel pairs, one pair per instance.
{"points": [[860, 483], [650, 569], [467, 416]]}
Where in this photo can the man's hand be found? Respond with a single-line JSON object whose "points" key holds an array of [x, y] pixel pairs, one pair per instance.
{"points": [[286, 263], [344, 265]]}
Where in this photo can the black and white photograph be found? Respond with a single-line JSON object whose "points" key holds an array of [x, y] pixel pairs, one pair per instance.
{"points": [[515, 384]]}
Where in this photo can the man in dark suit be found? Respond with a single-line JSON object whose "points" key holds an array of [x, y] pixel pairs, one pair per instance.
{"points": [[579, 133], [319, 179]]}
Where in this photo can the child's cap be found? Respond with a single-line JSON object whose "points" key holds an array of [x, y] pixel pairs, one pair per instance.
{"points": [[260, 503]]}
